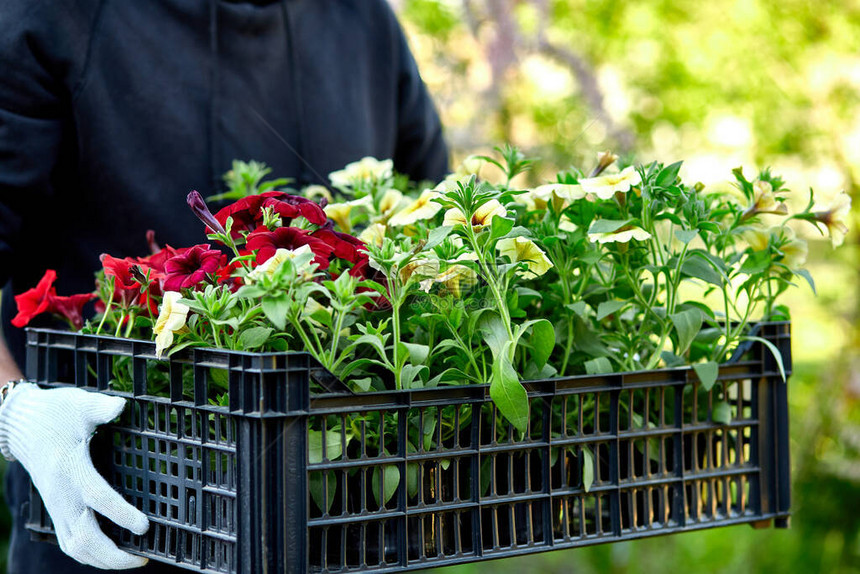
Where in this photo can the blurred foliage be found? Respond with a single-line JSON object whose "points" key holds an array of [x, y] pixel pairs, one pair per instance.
{"points": [[717, 84]]}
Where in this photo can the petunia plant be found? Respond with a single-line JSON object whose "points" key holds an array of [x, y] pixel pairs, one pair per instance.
{"points": [[393, 285]]}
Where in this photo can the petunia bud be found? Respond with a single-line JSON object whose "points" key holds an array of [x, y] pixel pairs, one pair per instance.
{"points": [[198, 206], [604, 160]]}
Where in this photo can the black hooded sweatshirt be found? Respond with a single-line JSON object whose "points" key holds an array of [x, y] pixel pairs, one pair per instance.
{"points": [[111, 111]]}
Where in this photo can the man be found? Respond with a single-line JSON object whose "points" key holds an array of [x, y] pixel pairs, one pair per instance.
{"points": [[112, 111]]}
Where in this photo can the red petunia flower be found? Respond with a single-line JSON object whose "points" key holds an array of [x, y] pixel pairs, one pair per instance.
{"points": [[265, 243], [71, 307], [344, 245], [126, 289], [291, 206], [35, 301], [247, 212], [188, 269]]}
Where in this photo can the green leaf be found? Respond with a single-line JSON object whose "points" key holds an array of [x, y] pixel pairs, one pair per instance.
{"points": [[500, 226], [579, 308], [409, 376], [709, 226], [722, 413], [686, 235], [776, 354], [591, 257], [707, 373], [698, 268], [437, 235], [417, 353], [687, 324], [668, 175], [333, 446], [494, 333], [542, 342], [507, 393], [806, 275], [607, 308], [363, 384], [276, 309], [608, 225], [587, 468], [391, 477], [598, 366], [316, 484], [756, 262], [254, 337]]}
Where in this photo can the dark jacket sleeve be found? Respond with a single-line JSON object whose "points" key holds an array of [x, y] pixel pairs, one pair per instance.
{"points": [[421, 150], [41, 46]]}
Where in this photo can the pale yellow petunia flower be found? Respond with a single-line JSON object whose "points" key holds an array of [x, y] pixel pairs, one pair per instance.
{"points": [[523, 249], [620, 236], [171, 318], [836, 217], [374, 234], [366, 169], [457, 279], [281, 255], [483, 215], [340, 214], [606, 186], [421, 209]]}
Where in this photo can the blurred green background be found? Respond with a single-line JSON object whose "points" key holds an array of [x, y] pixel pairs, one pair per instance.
{"points": [[717, 84]]}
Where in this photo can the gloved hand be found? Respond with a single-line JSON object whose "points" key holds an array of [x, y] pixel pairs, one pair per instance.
{"points": [[49, 432]]}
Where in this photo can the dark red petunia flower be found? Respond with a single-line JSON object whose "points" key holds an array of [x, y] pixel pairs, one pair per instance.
{"points": [[291, 206], [265, 243], [247, 212], [344, 245], [35, 301], [71, 307], [126, 288], [188, 269]]}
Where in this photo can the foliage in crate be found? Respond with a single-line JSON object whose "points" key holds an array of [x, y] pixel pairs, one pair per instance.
{"points": [[393, 285]]}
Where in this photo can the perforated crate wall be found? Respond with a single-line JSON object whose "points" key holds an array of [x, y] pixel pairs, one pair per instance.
{"points": [[295, 481]]}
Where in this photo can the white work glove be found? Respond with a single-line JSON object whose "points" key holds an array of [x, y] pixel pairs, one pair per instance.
{"points": [[49, 432]]}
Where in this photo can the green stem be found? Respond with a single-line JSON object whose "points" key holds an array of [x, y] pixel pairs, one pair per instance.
{"points": [[501, 304], [395, 328]]}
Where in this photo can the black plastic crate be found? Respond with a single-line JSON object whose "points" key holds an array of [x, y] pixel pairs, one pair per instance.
{"points": [[298, 474]]}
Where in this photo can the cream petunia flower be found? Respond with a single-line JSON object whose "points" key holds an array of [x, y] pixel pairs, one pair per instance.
{"points": [[606, 186], [757, 237], [422, 269], [421, 209], [281, 255], [523, 249], [565, 224], [317, 191], [622, 235], [390, 202], [339, 213], [374, 234], [365, 169], [835, 218], [794, 253], [560, 194], [471, 165], [483, 215], [764, 201], [457, 279], [171, 318]]}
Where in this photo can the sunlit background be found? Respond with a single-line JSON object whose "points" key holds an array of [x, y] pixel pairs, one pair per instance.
{"points": [[717, 84]]}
